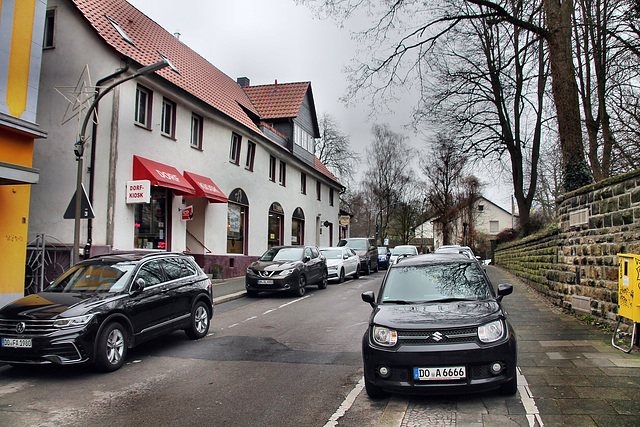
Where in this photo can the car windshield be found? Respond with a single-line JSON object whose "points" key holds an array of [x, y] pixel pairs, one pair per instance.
{"points": [[282, 254], [382, 251], [435, 282], [332, 253], [404, 250], [358, 245], [94, 278]]}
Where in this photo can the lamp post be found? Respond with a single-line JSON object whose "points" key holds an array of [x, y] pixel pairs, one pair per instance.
{"points": [[78, 147]]}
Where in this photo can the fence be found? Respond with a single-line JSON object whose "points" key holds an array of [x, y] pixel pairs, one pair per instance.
{"points": [[47, 258]]}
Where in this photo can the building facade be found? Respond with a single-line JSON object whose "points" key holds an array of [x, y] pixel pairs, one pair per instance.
{"points": [[21, 28], [178, 160]]}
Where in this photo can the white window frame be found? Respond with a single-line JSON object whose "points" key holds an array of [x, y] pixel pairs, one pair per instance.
{"points": [[143, 115], [171, 132], [197, 126]]}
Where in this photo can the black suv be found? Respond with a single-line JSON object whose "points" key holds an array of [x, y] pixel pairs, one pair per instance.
{"points": [[104, 305], [367, 250], [438, 326], [288, 269]]}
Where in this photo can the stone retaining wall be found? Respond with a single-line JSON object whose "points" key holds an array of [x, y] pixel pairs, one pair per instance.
{"points": [[577, 265]]}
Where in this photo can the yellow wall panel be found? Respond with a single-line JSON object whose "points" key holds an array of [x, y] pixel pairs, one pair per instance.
{"points": [[18, 77]]}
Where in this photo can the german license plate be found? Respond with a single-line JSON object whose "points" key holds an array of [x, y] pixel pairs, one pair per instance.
{"points": [[265, 282], [16, 342], [440, 374]]}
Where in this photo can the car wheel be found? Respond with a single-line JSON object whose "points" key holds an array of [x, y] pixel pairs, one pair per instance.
{"points": [[111, 347], [323, 281], [510, 388], [373, 391], [356, 275], [341, 276], [199, 321], [302, 282]]}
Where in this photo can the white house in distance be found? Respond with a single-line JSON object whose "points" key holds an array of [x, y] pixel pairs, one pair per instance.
{"points": [[214, 167], [489, 219]]}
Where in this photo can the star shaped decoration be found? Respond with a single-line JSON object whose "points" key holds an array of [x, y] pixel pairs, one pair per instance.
{"points": [[79, 97]]}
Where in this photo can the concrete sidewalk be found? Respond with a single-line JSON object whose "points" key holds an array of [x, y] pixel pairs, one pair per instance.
{"points": [[228, 289], [574, 375]]}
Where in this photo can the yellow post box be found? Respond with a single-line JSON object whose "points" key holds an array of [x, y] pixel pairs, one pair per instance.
{"points": [[628, 294]]}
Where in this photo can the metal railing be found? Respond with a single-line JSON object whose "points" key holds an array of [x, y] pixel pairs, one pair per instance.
{"points": [[47, 258]]}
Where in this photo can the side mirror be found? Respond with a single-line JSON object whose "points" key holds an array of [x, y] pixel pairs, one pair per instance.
{"points": [[503, 290], [306, 259], [138, 286], [370, 298]]}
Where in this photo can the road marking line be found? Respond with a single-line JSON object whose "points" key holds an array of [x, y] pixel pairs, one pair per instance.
{"points": [[346, 404], [529, 403], [267, 312]]}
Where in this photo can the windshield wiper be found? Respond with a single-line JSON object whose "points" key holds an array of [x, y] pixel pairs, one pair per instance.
{"points": [[452, 299], [397, 301]]}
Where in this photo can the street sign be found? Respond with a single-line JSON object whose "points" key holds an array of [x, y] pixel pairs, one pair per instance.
{"points": [[187, 213], [86, 210]]}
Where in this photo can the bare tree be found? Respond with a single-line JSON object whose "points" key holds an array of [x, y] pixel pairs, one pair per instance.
{"points": [[334, 150], [388, 172], [405, 31], [443, 165], [491, 85]]}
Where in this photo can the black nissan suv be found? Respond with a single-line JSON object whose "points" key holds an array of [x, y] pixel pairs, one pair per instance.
{"points": [[104, 305]]}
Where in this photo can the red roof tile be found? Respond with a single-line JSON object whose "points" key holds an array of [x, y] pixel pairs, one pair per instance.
{"points": [[197, 76], [279, 100]]}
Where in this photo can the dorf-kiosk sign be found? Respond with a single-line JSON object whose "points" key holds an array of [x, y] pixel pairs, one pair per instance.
{"points": [[139, 191]]}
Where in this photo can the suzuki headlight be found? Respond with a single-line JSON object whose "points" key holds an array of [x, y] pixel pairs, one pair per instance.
{"points": [[72, 322], [491, 332], [385, 336]]}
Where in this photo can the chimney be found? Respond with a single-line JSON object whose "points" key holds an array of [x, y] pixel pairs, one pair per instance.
{"points": [[177, 35], [276, 88], [243, 81]]}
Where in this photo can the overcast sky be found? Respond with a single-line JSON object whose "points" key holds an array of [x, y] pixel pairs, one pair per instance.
{"points": [[268, 40]]}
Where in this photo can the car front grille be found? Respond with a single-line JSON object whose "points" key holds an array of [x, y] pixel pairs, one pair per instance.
{"points": [[31, 327], [438, 336]]}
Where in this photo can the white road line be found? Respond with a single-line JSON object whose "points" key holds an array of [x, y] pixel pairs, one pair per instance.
{"points": [[529, 403], [267, 312], [346, 404]]}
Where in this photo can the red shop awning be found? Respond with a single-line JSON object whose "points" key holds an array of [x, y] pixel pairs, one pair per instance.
{"points": [[205, 187], [161, 175]]}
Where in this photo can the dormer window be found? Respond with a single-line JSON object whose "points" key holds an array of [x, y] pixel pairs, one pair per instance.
{"points": [[120, 30], [303, 138]]}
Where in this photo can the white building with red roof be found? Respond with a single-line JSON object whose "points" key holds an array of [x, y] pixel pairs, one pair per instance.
{"points": [[183, 159]]}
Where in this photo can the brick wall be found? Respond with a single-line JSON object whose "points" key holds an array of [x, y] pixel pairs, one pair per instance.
{"points": [[577, 265]]}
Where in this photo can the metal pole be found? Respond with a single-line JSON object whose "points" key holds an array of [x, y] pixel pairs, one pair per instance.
{"points": [[78, 147]]}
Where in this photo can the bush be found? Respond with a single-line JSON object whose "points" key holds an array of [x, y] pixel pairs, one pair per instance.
{"points": [[507, 235]]}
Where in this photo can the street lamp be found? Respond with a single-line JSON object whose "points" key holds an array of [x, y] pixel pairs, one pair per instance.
{"points": [[78, 147]]}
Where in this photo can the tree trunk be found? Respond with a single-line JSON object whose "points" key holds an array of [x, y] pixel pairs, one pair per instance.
{"points": [[565, 93]]}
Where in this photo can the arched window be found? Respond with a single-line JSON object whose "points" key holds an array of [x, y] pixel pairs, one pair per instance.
{"points": [[276, 221], [237, 219], [297, 227]]}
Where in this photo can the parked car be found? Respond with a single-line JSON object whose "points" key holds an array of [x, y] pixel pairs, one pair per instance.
{"points": [[402, 251], [341, 262], [288, 269], [383, 257], [105, 305], [437, 326], [367, 250], [457, 249]]}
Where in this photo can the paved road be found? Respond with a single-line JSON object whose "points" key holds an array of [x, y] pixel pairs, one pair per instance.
{"points": [[281, 360]]}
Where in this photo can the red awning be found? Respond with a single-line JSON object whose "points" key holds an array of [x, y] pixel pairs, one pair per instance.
{"points": [[160, 174], [205, 187]]}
